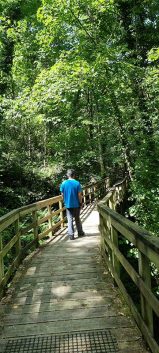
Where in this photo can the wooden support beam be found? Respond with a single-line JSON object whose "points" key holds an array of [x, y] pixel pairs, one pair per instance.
{"points": [[50, 220], [18, 242], [61, 213], [91, 192], [1, 260], [84, 196], [145, 273], [115, 261], [35, 227]]}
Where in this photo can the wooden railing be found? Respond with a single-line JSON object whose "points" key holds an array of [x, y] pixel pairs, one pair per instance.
{"points": [[23, 228], [113, 227]]}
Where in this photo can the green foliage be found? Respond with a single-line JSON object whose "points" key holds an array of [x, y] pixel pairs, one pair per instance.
{"points": [[79, 86]]}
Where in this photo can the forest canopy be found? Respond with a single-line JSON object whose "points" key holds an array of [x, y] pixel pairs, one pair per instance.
{"points": [[79, 82]]}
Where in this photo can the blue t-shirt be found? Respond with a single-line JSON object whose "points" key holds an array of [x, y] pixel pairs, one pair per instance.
{"points": [[70, 189]]}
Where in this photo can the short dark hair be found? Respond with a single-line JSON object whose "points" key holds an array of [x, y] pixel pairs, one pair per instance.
{"points": [[70, 173]]}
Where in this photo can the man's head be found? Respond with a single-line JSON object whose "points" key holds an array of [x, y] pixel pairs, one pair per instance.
{"points": [[70, 173]]}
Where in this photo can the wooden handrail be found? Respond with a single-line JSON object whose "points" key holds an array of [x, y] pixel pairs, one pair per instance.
{"points": [[112, 226], [16, 218]]}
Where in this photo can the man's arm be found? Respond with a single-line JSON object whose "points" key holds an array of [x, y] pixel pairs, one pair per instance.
{"points": [[80, 197], [61, 190]]}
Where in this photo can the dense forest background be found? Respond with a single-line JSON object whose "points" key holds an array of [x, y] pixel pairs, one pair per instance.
{"points": [[79, 83]]}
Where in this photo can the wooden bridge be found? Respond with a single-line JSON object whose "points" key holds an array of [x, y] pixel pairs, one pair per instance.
{"points": [[64, 297]]}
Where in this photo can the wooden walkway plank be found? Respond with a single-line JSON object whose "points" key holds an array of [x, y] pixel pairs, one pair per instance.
{"points": [[65, 288]]}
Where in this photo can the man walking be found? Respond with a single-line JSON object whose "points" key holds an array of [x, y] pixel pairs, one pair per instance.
{"points": [[72, 194]]}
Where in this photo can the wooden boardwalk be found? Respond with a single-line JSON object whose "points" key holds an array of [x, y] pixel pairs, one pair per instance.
{"points": [[66, 289]]}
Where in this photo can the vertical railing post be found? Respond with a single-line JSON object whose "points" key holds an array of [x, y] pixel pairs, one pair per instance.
{"points": [[107, 231], [1, 260], [94, 192], [101, 228], [18, 242], [99, 190], [97, 196], [90, 195], [61, 213], [104, 233], [115, 262], [84, 196], [145, 273], [111, 202], [50, 219], [113, 235], [35, 227], [120, 194], [107, 183]]}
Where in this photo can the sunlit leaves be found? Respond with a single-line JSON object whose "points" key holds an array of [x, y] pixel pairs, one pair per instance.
{"points": [[79, 83], [153, 54]]}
